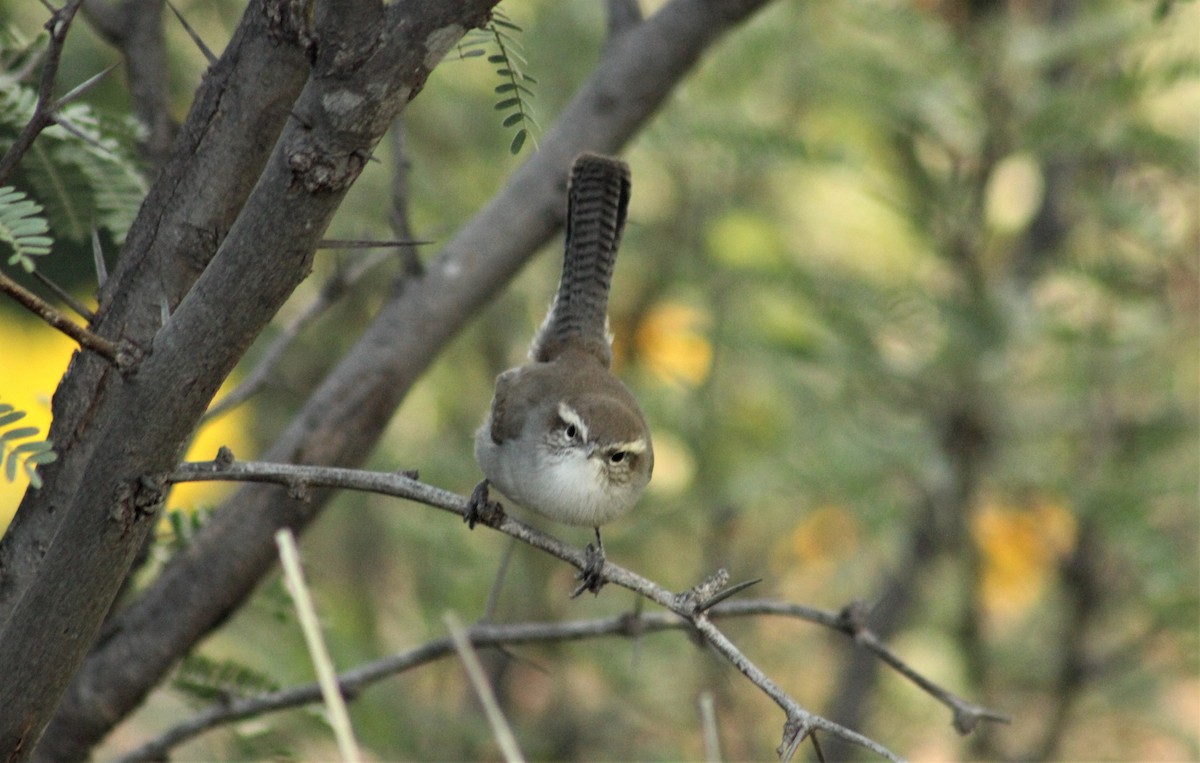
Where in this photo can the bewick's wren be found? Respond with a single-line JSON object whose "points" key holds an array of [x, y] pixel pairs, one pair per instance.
{"points": [[564, 437]]}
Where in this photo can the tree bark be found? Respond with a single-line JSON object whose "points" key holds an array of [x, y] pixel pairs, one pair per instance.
{"points": [[131, 425], [345, 417]]}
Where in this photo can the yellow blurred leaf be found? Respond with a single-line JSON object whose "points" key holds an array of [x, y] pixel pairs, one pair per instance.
{"points": [[1020, 547], [674, 465], [673, 345], [1014, 192], [824, 536]]}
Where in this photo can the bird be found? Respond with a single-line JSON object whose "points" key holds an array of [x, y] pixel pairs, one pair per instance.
{"points": [[564, 437]]}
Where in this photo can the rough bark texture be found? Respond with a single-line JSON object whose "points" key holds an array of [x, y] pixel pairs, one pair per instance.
{"points": [[224, 237], [69, 550]]}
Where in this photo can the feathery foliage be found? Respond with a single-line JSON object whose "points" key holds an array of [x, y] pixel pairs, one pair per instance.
{"points": [[28, 455], [23, 228], [510, 67], [206, 680], [83, 170]]}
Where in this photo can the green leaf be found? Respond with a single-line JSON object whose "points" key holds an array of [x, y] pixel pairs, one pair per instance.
{"points": [[23, 228], [81, 181], [202, 678], [8, 415], [37, 446], [518, 141], [47, 456], [27, 454], [513, 87], [18, 433], [513, 119], [507, 104]]}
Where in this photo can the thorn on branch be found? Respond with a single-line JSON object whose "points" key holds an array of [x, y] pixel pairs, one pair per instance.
{"points": [[82, 88], [224, 457], [795, 729], [688, 603], [717, 598], [199, 43], [817, 748], [967, 717]]}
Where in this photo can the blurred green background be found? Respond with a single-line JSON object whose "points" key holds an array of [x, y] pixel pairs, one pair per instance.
{"points": [[910, 296]]}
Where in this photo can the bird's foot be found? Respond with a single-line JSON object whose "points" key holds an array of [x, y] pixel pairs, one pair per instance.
{"points": [[481, 508], [589, 577]]}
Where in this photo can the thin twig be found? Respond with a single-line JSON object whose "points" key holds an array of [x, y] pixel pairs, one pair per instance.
{"points": [[339, 718], [689, 605], [199, 43], [799, 721], [967, 715], [56, 319], [43, 110], [337, 286], [708, 724], [493, 599], [482, 635], [483, 690], [353, 681], [79, 308]]}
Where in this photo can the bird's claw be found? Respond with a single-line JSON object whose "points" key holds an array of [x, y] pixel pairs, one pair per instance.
{"points": [[481, 508], [589, 576]]}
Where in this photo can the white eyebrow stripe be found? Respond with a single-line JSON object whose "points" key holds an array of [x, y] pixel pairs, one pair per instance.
{"points": [[637, 446], [568, 414]]}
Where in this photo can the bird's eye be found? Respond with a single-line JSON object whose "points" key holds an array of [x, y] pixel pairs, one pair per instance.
{"points": [[571, 431], [617, 457]]}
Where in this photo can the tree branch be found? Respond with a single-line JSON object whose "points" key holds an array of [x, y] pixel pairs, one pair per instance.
{"points": [[335, 288], [229, 132], [694, 606], [135, 28], [344, 418], [141, 421], [482, 635], [52, 316], [43, 111]]}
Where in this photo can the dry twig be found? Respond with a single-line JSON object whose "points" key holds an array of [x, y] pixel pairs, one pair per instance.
{"points": [[695, 606]]}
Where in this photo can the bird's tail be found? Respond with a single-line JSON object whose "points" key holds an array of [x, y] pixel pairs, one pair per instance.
{"points": [[597, 201]]}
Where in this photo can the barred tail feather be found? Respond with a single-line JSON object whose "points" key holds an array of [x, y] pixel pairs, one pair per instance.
{"points": [[597, 202]]}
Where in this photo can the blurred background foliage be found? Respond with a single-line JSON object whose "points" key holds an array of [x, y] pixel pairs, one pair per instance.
{"points": [[910, 296]]}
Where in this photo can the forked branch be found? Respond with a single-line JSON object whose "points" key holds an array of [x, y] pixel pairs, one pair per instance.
{"points": [[692, 609]]}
